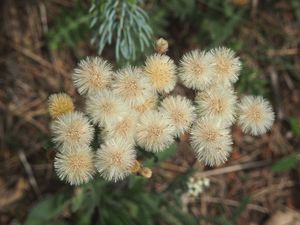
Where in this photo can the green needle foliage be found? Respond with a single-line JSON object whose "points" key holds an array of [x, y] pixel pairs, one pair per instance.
{"points": [[69, 27], [122, 21]]}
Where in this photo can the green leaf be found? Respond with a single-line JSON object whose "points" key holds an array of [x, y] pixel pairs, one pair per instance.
{"points": [[77, 201], [295, 126], [180, 181], [182, 218], [239, 210], [296, 7], [83, 218], [285, 164], [69, 27], [162, 156], [48, 209]]}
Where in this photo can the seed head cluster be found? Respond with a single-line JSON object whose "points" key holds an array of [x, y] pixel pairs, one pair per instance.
{"points": [[136, 109]]}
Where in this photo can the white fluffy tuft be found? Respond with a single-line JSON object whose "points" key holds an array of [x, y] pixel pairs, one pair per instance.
{"points": [[154, 131], [115, 159], [180, 111], [75, 166], [92, 75], [256, 116], [72, 130], [196, 70], [211, 141], [105, 108]]}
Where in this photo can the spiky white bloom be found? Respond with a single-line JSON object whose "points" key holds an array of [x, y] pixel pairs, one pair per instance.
{"points": [[161, 71], [255, 115], [75, 166], [218, 103], [115, 159], [196, 70], [72, 130], [154, 131], [92, 75], [132, 85], [59, 104], [211, 141], [215, 156], [226, 65], [105, 107], [181, 112], [123, 127]]}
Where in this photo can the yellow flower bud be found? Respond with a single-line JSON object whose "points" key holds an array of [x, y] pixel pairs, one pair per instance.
{"points": [[60, 104], [136, 167]]}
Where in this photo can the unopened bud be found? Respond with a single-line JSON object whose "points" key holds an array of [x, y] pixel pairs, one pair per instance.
{"points": [[161, 46], [146, 172], [136, 167]]}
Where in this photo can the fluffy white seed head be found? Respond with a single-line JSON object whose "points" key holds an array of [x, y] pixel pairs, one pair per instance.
{"points": [[226, 65], [115, 159], [72, 130], [124, 127], [215, 156], [211, 141], [196, 70], [161, 71], [105, 108], [218, 103], [132, 85], [256, 116], [75, 166], [154, 131], [92, 75], [180, 111]]}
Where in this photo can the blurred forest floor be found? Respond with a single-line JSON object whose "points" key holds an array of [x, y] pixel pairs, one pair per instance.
{"points": [[269, 34]]}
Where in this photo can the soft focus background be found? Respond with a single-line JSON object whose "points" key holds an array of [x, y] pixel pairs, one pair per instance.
{"points": [[42, 40]]}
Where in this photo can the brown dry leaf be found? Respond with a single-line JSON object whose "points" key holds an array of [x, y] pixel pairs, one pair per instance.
{"points": [[289, 217]]}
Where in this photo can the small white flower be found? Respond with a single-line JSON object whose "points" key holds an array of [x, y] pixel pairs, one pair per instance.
{"points": [[218, 103], [92, 75], [124, 127], [75, 166], [211, 141], [256, 116], [197, 186], [181, 112], [161, 71], [132, 85], [115, 159], [214, 156], [154, 131], [105, 108], [226, 65], [72, 130], [196, 70]]}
